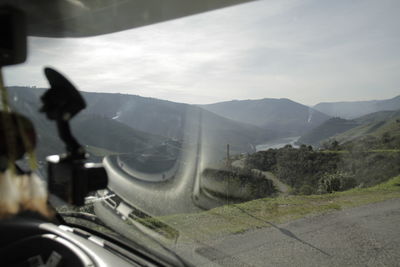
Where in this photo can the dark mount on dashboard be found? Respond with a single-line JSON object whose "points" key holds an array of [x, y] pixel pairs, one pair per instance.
{"points": [[70, 177], [61, 103]]}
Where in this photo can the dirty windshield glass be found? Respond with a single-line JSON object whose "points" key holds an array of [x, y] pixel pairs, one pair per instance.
{"points": [[266, 133]]}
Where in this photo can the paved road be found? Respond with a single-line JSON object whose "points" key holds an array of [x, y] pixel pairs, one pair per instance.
{"points": [[362, 236]]}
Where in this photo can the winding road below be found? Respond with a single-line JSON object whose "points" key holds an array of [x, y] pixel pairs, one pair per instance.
{"points": [[283, 188]]}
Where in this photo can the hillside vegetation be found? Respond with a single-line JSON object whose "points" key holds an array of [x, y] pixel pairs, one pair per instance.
{"points": [[235, 184], [373, 128], [344, 130], [363, 162], [265, 212]]}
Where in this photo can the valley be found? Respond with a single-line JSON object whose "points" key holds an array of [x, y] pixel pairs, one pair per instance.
{"points": [[288, 142]]}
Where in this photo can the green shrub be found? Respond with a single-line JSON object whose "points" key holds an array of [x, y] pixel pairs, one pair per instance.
{"points": [[339, 181], [306, 190]]}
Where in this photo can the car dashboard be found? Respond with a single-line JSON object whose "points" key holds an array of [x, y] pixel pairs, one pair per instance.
{"points": [[33, 242]]}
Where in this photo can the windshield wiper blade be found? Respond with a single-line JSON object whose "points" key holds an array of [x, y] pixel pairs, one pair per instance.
{"points": [[92, 199], [84, 216]]}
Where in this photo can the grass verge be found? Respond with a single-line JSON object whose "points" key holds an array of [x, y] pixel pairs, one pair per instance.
{"points": [[238, 218]]}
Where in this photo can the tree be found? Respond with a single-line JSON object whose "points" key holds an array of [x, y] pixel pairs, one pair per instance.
{"points": [[339, 181], [386, 138]]}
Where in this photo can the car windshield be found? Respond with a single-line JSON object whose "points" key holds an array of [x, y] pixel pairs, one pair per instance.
{"points": [[266, 133]]}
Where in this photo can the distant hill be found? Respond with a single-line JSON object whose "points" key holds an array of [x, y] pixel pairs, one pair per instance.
{"points": [[354, 109], [378, 116], [281, 117], [119, 123], [326, 130], [90, 130], [375, 124], [345, 130], [179, 121]]}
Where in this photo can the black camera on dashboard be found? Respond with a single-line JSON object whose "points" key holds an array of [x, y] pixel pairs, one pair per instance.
{"points": [[72, 180], [70, 177]]}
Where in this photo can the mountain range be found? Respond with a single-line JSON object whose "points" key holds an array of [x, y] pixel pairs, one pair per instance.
{"points": [[375, 124], [90, 130], [284, 118], [354, 109], [122, 123], [281, 117], [126, 123], [346, 130]]}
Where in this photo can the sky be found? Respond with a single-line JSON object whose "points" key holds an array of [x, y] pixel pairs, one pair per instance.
{"points": [[309, 51]]}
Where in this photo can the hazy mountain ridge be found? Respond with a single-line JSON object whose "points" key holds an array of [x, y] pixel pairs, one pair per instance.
{"points": [[174, 120], [130, 121], [119, 123], [378, 116], [281, 117], [345, 130], [326, 130], [374, 125], [115, 135], [354, 109]]}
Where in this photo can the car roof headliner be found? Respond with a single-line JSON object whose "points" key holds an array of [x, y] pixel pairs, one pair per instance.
{"points": [[81, 18]]}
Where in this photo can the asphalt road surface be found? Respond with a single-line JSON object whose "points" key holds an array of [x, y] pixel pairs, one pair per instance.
{"points": [[364, 236]]}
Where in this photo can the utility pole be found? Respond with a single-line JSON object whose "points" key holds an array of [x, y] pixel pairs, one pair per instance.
{"points": [[228, 159]]}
